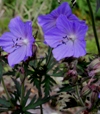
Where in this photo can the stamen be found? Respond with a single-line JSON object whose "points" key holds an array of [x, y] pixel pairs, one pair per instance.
{"points": [[63, 42], [66, 38], [19, 42], [20, 38], [17, 39]]}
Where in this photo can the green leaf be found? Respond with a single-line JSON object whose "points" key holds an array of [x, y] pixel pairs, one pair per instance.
{"points": [[26, 98], [27, 112], [66, 88], [48, 82], [59, 74], [34, 79], [17, 85], [36, 103], [4, 102], [33, 100]]}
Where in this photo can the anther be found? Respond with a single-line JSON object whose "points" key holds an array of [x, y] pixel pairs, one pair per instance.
{"points": [[17, 39], [65, 37]]}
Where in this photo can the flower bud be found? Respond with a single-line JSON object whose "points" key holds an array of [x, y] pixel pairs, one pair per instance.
{"points": [[94, 97], [74, 79], [66, 77], [93, 87], [71, 74], [93, 63], [85, 91], [86, 112], [74, 76], [94, 67], [22, 70], [34, 49]]}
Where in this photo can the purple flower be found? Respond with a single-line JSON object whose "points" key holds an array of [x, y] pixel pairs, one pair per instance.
{"points": [[99, 96], [18, 42], [49, 21], [67, 38]]}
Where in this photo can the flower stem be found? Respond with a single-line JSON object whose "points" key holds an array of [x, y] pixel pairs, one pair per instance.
{"points": [[93, 26], [50, 53], [40, 95], [78, 94], [22, 91], [5, 89]]}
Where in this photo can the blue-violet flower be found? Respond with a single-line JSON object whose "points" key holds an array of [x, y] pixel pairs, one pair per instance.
{"points": [[67, 38], [49, 21], [18, 42]]}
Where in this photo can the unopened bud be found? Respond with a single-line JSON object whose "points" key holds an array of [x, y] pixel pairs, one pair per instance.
{"points": [[34, 49], [97, 71], [66, 77], [74, 79], [22, 70], [94, 97], [71, 74], [86, 112], [93, 87], [93, 63], [85, 91], [94, 67]]}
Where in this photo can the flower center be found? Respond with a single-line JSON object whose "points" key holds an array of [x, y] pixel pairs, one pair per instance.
{"points": [[25, 41], [71, 37], [18, 42]]}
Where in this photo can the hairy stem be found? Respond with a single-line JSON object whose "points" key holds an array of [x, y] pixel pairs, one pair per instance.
{"points": [[93, 26], [40, 95], [79, 97], [5, 89], [50, 53], [22, 90]]}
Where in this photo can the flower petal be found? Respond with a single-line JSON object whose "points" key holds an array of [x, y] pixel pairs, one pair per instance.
{"points": [[17, 27], [47, 22], [29, 51], [72, 27], [80, 30], [79, 50], [28, 31], [64, 50], [17, 56], [8, 49], [73, 17], [64, 8], [64, 24], [6, 39], [6, 42], [54, 37]]}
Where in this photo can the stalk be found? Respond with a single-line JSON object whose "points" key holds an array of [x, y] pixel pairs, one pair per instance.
{"points": [[78, 94], [40, 96], [93, 26], [22, 90], [5, 89]]}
